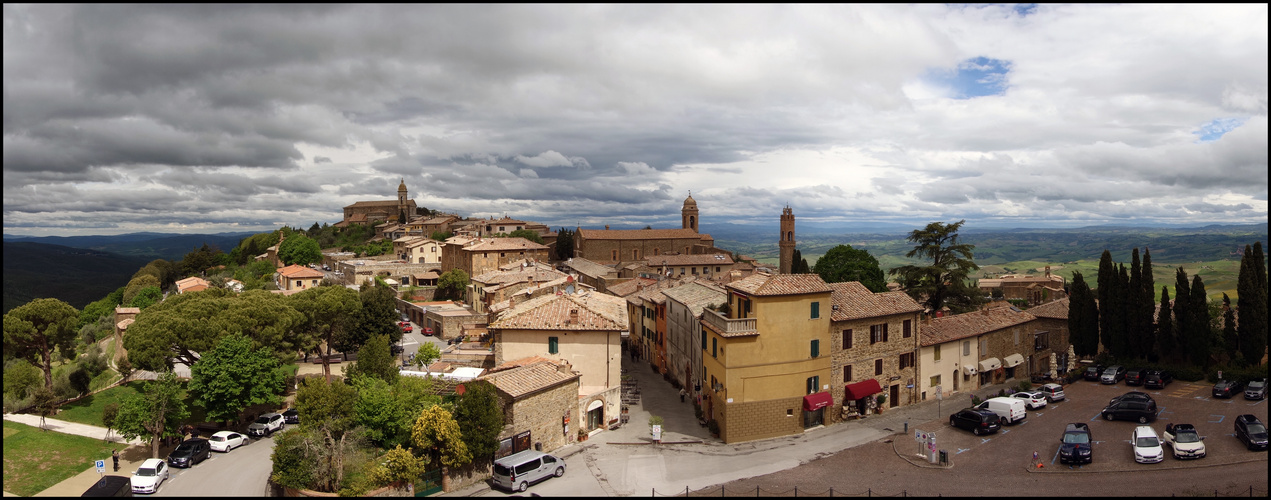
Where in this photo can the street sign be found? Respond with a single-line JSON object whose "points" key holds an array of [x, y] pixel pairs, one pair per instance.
{"points": [[657, 433], [939, 392], [101, 466]]}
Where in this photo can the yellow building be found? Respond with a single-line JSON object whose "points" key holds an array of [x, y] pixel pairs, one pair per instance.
{"points": [[767, 362]]}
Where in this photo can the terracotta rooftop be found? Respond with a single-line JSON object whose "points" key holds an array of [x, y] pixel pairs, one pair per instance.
{"points": [[960, 326], [1055, 309], [192, 284], [697, 295], [503, 244], [589, 268], [127, 310], [596, 311], [523, 380], [629, 287], [517, 363], [718, 259], [535, 273], [852, 300], [379, 203], [296, 271], [780, 284], [639, 234]]}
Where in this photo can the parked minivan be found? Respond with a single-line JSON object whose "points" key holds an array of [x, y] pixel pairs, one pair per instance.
{"points": [[1011, 410], [519, 470]]}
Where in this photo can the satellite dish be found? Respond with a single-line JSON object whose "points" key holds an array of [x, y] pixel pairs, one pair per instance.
{"points": [[569, 289]]}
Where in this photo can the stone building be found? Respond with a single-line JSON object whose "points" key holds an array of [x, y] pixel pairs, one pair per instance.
{"points": [[417, 249], [1035, 289], [583, 328], [874, 346], [540, 404], [785, 243], [622, 246], [297, 277], [709, 266], [499, 285], [192, 284], [124, 317], [684, 305], [982, 347], [1050, 338], [366, 212], [481, 255], [766, 370], [595, 275]]}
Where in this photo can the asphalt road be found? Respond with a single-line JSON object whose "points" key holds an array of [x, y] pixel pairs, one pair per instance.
{"points": [[243, 472]]}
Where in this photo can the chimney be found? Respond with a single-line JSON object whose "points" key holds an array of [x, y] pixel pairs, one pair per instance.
{"points": [[573, 316], [606, 227], [1047, 271], [985, 311]]}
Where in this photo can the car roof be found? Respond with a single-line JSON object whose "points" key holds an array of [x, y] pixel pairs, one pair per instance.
{"points": [[1052, 386], [224, 433], [1184, 427], [1077, 427], [1144, 430], [151, 463], [1248, 418]]}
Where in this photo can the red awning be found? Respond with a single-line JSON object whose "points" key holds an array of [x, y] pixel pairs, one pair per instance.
{"points": [[817, 401], [861, 389]]}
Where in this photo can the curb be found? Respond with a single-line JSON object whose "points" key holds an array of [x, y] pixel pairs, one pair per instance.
{"points": [[1059, 470]]}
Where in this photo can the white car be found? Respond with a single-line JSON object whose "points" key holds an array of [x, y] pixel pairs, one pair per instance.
{"points": [[148, 477], [224, 441], [1032, 399], [1147, 446], [1185, 442], [1053, 392]]}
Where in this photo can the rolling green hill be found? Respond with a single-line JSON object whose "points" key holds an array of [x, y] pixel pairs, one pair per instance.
{"points": [[75, 275]]}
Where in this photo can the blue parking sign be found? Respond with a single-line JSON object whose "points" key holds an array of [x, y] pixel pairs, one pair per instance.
{"points": [[101, 466]]}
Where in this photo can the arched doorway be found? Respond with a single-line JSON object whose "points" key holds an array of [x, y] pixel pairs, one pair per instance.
{"points": [[595, 414]]}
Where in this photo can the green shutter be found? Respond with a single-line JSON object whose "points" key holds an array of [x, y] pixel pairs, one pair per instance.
{"points": [[816, 310], [553, 345], [816, 348]]}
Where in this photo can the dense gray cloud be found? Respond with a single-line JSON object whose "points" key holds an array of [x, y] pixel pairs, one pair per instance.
{"points": [[215, 118]]}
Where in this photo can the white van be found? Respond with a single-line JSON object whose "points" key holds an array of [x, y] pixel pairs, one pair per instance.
{"points": [[519, 470], [1011, 410]]}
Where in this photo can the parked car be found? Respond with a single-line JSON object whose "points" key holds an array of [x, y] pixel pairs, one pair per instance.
{"points": [[408, 328], [1093, 372], [291, 416], [977, 421], [1256, 389], [1112, 375], [396, 349], [1147, 446], [148, 477], [1136, 410], [265, 425], [1011, 410], [428, 331], [326, 267], [1227, 388], [190, 452], [1184, 441], [1157, 379], [1132, 396], [519, 470], [1076, 447], [1032, 399], [1135, 376], [1251, 432], [110, 486], [1053, 392], [224, 441]]}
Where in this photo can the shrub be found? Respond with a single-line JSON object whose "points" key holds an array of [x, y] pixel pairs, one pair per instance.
{"points": [[713, 426], [1025, 385], [1242, 374], [975, 400]]}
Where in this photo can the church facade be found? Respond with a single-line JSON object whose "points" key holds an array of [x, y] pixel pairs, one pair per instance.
{"points": [[615, 246], [367, 212]]}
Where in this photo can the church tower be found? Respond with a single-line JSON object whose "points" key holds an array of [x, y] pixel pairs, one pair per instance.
{"points": [[786, 243], [401, 200], [689, 213]]}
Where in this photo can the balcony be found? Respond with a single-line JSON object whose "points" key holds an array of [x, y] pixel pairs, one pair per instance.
{"points": [[729, 326]]}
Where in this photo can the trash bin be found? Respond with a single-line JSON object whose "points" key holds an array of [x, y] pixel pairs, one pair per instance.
{"points": [[944, 457]]}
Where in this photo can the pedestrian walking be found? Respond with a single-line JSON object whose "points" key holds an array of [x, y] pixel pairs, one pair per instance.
{"points": [[114, 454], [682, 395]]}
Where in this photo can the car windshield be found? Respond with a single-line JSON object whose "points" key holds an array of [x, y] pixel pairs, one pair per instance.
{"points": [[1187, 437], [218, 438], [262, 420], [1076, 438], [185, 448], [1147, 442], [1257, 429], [1257, 385], [145, 471]]}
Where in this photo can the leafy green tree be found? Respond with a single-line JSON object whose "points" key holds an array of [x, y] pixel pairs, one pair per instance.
{"points": [[147, 297], [45, 402], [1083, 318], [480, 416], [33, 331], [1105, 290], [327, 409], [844, 263], [80, 380], [528, 234], [233, 376], [451, 284], [1199, 341], [1251, 304], [157, 412], [198, 261], [945, 278], [374, 360], [109, 413], [799, 265], [564, 244], [441, 235], [386, 412], [397, 465], [295, 463], [426, 354], [299, 249], [136, 285], [21, 378], [1166, 341], [102, 307], [183, 325], [378, 316], [1147, 304], [329, 312], [436, 435]]}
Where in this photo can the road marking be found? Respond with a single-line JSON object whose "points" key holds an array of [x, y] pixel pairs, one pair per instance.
{"points": [[985, 440], [1257, 403], [1039, 413], [960, 450], [1219, 421], [1056, 457]]}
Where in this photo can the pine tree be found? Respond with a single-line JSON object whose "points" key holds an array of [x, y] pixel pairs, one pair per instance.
{"points": [[1251, 305], [1198, 346], [1182, 309], [1230, 341], [1165, 340], [1106, 276], [1134, 307]]}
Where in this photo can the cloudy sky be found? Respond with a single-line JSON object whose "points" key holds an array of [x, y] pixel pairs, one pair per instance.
{"points": [[237, 118]]}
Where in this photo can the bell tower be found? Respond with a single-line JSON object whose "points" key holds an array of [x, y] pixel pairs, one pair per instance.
{"points": [[689, 213], [786, 243]]}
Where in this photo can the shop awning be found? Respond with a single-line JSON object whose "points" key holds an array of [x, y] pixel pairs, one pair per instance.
{"points": [[969, 369], [1013, 360], [990, 364], [816, 401], [861, 389]]}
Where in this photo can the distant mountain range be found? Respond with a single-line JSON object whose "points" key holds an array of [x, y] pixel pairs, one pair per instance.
{"points": [[153, 245], [76, 275]]}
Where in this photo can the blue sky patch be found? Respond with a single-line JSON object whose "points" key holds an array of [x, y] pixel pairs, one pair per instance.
{"points": [[1211, 131], [976, 77], [1024, 9]]}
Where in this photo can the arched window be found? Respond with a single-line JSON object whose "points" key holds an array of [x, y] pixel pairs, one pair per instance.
{"points": [[789, 235]]}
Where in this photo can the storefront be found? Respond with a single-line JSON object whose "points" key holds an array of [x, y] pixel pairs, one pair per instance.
{"points": [[814, 408], [858, 394]]}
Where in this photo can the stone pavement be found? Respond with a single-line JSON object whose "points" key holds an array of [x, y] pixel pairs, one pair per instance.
{"points": [[625, 462]]}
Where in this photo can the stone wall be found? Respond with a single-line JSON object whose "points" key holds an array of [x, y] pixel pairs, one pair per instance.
{"points": [[542, 414], [862, 355], [762, 419], [602, 250], [1002, 343]]}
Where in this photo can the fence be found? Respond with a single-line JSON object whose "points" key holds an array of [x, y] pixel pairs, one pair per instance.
{"points": [[723, 491]]}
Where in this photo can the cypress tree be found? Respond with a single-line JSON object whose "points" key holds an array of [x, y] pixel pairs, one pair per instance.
{"points": [[1118, 309], [1182, 309], [1198, 346], [1134, 307], [1166, 345], [1148, 328], [1251, 305], [1230, 341], [1106, 276], [1083, 318]]}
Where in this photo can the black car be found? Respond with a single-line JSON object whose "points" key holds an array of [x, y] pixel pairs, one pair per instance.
{"points": [[1136, 410], [1076, 445], [1256, 389], [190, 452], [110, 486], [1093, 372], [1227, 388], [1157, 379], [1251, 432], [291, 416], [396, 349], [1133, 396], [976, 421], [1135, 376]]}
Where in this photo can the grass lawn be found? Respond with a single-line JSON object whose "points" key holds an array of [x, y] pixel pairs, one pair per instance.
{"points": [[35, 460], [89, 410]]}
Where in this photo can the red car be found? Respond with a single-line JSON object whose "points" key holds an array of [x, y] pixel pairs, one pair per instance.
{"points": [[403, 323], [408, 328], [427, 331]]}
